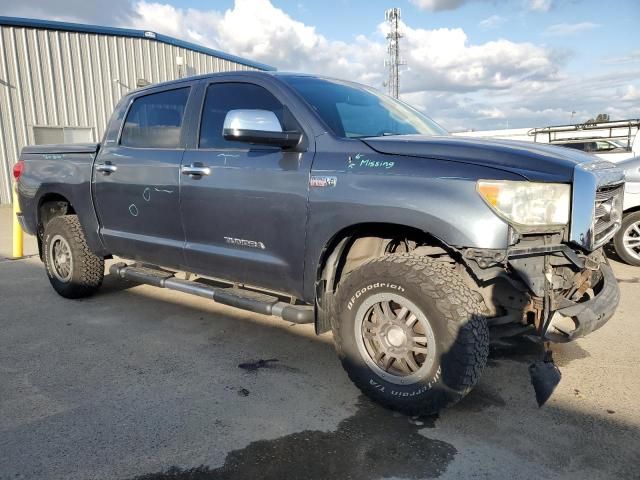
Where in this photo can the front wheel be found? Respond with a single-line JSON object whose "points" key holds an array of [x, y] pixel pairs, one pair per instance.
{"points": [[410, 333], [627, 240], [73, 269]]}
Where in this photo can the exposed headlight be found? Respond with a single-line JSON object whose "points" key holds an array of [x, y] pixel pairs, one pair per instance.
{"points": [[529, 205]]}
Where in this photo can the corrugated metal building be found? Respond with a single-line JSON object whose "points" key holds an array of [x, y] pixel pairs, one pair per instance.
{"points": [[60, 81]]}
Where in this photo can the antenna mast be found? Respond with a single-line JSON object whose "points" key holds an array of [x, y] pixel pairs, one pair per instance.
{"points": [[393, 62]]}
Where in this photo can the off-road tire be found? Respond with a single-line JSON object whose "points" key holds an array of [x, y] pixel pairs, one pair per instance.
{"points": [[618, 240], [87, 271], [453, 311]]}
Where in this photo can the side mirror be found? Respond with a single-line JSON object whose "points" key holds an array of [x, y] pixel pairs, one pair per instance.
{"points": [[258, 126]]}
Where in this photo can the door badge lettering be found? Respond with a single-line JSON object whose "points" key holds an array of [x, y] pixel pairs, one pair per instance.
{"points": [[322, 181], [241, 242]]}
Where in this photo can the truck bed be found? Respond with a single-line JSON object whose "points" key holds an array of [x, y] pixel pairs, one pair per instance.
{"points": [[59, 171]]}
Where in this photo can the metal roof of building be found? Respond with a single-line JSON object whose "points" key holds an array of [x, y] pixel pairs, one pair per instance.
{"points": [[127, 32]]}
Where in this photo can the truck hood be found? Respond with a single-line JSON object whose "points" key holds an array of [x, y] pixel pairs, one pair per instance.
{"points": [[534, 161]]}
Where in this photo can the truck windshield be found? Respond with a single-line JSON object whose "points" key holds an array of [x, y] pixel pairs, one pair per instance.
{"points": [[352, 111]]}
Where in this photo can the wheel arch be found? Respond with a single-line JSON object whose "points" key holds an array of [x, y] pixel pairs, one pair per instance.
{"points": [[50, 205], [632, 210], [358, 243], [52, 202]]}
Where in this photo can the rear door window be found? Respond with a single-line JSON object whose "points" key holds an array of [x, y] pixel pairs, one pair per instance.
{"points": [[155, 120]]}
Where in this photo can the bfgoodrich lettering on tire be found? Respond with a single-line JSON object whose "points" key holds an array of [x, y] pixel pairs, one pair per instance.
{"points": [[410, 333], [73, 270]]}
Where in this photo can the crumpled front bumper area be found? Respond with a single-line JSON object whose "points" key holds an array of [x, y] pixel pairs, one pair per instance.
{"points": [[585, 317]]}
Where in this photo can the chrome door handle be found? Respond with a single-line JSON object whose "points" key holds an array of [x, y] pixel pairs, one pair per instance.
{"points": [[106, 168], [195, 170]]}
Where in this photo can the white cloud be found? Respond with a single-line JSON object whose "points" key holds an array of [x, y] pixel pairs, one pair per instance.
{"points": [[565, 29], [438, 5], [494, 21], [630, 94], [540, 5], [631, 57], [492, 113], [444, 59], [258, 30], [459, 83], [441, 59]]}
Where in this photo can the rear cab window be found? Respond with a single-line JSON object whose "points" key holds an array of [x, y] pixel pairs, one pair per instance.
{"points": [[155, 120]]}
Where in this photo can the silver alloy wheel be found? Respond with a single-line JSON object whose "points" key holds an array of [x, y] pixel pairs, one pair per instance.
{"points": [[61, 259], [631, 240], [395, 338]]}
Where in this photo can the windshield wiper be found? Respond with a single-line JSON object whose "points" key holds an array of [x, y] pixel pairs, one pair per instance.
{"points": [[383, 134]]}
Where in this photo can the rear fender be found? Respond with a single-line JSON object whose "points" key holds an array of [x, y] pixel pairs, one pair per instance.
{"points": [[55, 176]]}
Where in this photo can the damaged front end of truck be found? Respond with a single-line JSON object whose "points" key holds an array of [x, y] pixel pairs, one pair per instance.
{"points": [[554, 281]]}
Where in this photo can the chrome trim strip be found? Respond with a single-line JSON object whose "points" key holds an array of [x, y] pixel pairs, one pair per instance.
{"points": [[613, 229], [587, 179], [583, 204]]}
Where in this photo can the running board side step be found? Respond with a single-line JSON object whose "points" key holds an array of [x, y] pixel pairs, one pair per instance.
{"points": [[234, 297]]}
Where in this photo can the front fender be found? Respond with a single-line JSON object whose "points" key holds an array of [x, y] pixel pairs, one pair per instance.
{"points": [[434, 196]]}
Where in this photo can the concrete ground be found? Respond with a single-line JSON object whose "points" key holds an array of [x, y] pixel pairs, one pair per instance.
{"points": [[143, 383]]}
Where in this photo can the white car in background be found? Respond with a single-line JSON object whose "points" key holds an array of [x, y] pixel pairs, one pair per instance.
{"points": [[614, 141], [627, 240], [612, 150], [603, 148]]}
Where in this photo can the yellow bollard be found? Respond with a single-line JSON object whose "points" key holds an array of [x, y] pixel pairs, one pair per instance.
{"points": [[18, 240]]}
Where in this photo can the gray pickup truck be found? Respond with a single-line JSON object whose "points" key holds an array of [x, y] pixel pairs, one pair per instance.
{"points": [[323, 201]]}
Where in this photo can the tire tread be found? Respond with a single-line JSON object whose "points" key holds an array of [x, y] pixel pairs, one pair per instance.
{"points": [[89, 268], [458, 306]]}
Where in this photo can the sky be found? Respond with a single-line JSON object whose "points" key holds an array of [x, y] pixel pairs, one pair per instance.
{"points": [[470, 64]]}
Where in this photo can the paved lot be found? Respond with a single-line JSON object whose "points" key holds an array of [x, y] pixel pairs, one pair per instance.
{"points": [[146, 383]]}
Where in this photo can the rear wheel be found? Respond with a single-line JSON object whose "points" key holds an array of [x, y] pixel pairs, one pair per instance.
{"points": [[73, 270], [627, 240], [410, 333]]}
